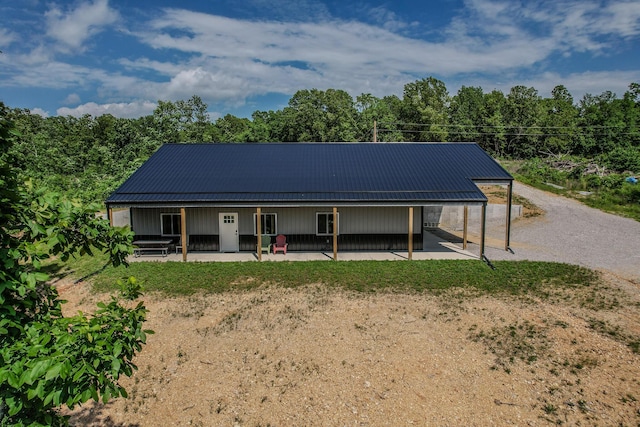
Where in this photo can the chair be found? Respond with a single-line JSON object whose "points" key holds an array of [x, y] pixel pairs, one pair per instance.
{"points": [[265, 243], [280, 244], [179, 244]]}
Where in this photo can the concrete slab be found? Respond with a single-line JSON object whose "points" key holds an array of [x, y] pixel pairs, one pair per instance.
{"points": [[444, 250]]}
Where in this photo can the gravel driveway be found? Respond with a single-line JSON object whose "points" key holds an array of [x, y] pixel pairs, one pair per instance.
{"points": [[573, 233]]}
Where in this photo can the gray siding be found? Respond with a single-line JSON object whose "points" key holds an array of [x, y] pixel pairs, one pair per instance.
{"points": [[290, 220], [353, 220], [392, 220], [147, 221], [202, 220]]}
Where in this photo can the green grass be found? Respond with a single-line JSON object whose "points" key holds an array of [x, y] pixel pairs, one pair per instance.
{"points": [[613, 202], [178, 278]]}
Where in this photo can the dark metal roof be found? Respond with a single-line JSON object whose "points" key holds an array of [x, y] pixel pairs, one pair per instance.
{"points": [[299, 173]]}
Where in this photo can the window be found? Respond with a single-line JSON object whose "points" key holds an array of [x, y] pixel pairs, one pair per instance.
{"points": [[324, 223], [269, 224], [170, 224]]}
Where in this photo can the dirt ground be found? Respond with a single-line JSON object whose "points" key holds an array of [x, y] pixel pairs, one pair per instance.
{"points": [[318, 357], [498, 195]]}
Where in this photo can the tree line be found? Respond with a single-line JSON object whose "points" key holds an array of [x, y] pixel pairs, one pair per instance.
{"points": [[89, 156]]}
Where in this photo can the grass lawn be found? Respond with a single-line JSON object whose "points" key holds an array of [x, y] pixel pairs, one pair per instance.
{"points": [[177, 278]]}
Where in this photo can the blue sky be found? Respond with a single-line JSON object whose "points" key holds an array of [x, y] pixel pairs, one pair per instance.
{"points": [[122, 56]]}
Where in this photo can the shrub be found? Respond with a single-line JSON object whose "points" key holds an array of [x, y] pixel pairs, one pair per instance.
{"points": [[622, 159], [630, 193]]}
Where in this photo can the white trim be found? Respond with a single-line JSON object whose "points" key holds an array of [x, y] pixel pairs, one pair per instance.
{"points": [[162, 215], [329, 217], [275, 217]]}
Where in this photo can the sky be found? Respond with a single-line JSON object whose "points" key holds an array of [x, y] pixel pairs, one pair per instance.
{"points": [[120, 57]]}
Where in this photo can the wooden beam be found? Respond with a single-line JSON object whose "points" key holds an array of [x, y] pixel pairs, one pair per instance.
{"points": [[335, 234], [110, 213], [183, 229], [466, 224], [410, 232], [259, 231], [507, 237]]}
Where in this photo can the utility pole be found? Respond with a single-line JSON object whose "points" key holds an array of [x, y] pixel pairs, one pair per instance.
{"points": [[375, 131]]}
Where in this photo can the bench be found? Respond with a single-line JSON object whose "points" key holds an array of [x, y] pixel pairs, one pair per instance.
{"points": [[150, 247]]}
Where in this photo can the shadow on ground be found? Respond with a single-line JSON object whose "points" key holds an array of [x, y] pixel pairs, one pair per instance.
{"points": [[94, 415]]}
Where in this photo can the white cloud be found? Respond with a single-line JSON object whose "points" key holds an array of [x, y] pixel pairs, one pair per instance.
{"points": [[165, 68], [7, 37], [261, 56], [592, 82], [388, 19], [572, 25], [578, 84], [40, 112], [54, 74], [211, 85], [289, 10], [75, 27], [72, 98], [132, 109], [623, 18], [228, 61]]}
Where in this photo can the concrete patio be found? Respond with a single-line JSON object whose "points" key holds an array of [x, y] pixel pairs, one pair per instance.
{"points": [[434, 247]]}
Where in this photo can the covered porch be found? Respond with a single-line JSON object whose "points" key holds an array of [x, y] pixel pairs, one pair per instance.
{"points": [[435, 248], [419, 241]]}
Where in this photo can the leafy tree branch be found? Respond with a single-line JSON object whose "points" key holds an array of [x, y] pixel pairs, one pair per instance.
{"points": [[46, 359]]}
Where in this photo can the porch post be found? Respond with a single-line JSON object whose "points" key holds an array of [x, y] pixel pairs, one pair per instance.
{"points": [[183, 229], [482, 224], [110, 214], [259, 231], [507, 236], [335, 234], [466, 223], [410, 232]]}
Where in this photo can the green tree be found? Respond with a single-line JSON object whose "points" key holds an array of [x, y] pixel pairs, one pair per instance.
{"points": [[182, 121], [48, 360], [425, 112], [320, 116], [264, 127], [631, 108], [231, 129], [466, 114], [521, 117], [194, 120], [559, 122], [384, 111], [494, 135]]}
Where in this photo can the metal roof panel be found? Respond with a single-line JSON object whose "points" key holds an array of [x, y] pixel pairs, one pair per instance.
{"points": [[308, 172]]}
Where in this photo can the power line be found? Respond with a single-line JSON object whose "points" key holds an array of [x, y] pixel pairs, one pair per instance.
{"points": [[496, 126], [510, 134], [510, 131]]}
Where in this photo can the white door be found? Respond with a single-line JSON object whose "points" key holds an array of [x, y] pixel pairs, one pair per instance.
{"points": [[228, 223]]}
